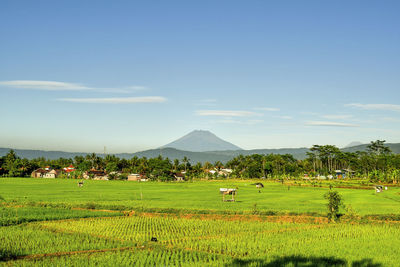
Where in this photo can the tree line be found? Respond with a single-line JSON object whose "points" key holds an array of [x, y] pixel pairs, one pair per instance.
{"points": [[378, 163]]}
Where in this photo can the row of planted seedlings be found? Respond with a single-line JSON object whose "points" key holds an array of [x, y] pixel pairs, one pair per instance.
{"points": [[31, 239], [167, 230], [245, 238], [227, 238], [153, 257]]}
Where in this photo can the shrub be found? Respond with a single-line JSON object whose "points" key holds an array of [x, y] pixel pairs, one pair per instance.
{"points": [[334, 202]]}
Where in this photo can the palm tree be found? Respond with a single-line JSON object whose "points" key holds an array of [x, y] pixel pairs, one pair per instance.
{"points": [[185, 161], [176, 164]]}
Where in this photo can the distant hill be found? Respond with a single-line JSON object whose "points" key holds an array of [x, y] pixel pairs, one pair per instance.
{"points": [[354, 143], [394, 147], [172, 153], [31, 154], [201, 141]]}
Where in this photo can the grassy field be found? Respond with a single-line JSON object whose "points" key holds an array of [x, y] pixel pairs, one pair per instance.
{"points": [[47, 222], [202, 195]]}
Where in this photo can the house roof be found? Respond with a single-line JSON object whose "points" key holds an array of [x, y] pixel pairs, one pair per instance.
{"points": [[40, 170]]}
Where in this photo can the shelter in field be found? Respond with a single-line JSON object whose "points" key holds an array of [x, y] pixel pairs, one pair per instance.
{"points": [[134, 177], [38, 173], [228, 191]]}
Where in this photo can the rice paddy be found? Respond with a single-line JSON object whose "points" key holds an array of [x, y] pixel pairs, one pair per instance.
{"points": [[40, 229]]}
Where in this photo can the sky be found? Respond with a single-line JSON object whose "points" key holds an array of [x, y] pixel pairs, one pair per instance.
{"points": [[134, 75]]}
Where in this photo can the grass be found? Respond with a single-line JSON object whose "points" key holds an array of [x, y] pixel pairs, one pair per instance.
{"points": [[201, 195], [18, 215], [53, 222]]}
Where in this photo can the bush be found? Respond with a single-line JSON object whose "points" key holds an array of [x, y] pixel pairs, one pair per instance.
{"points": [[334, 202]]}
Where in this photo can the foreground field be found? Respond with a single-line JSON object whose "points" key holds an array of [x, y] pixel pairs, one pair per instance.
{"points": [[126, 241], [112, 223]]}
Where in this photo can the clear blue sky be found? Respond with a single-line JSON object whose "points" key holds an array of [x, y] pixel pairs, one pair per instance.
{"points": [[134, 75]]}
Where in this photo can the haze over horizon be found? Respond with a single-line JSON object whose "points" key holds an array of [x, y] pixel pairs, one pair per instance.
{"points": [[77, 76]]}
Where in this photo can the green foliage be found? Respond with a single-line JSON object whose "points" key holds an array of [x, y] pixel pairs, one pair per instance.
{"points": [[321, 160], [84, 166], [378, 147], [334, 202]]}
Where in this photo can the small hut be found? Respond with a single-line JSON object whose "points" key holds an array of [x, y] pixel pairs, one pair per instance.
{"points": [[228, 191]]}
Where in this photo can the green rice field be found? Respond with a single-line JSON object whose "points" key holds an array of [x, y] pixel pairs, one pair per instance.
{"points": [[53, 222]]}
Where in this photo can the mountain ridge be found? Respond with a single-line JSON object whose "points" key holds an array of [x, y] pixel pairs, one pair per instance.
{"points": [[171, 153], [354, 143]]}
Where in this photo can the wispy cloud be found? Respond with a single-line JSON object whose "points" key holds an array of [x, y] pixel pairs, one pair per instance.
{"points": [[267, 109], [247, 122], [116, 100], [44, 85], [336, 117], [284, 117], [64, 86], [330, 123], [226, 113], [390, 107], [135, 88]]}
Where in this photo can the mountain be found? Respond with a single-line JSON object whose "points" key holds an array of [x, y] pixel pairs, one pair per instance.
{"points": [[31, 154], [354, 143], [201, 141], [394, 147], [194, 157], [167, 152]]}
